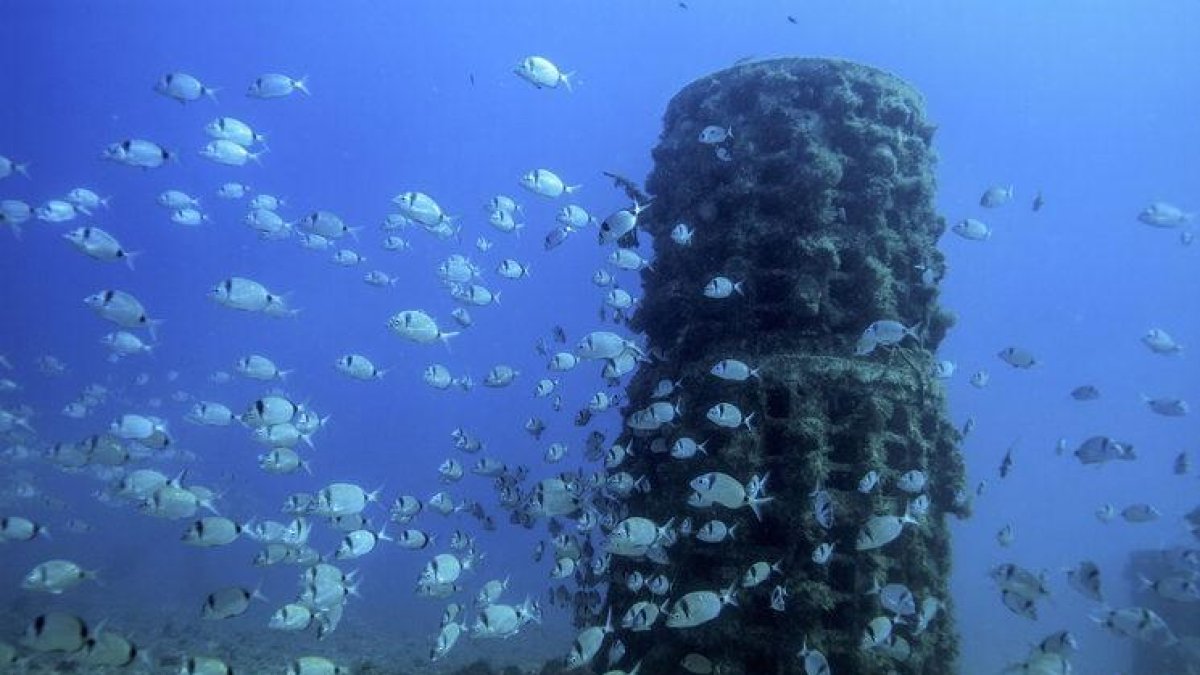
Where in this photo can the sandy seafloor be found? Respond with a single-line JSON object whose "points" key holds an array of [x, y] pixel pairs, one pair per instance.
{"points": [[367, 647]]}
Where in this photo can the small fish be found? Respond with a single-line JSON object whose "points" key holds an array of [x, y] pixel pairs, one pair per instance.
{"points": [[183, 88], [912, 482], [682, 234], [1182, 465], [1106, 512], [822, 505], [972, 229], [868, 482], [996, 196], [822, 553], [1085, 392], [980, 379], [1140, 513], [1162, 214], [722, 287], [1006, 464], [1017, 357], [779, 596], [274, 85], [546, 183], [1005, 536], [1167, 407], [1102, 449], [1160, 342], [713, 134], [541, 72], [1085, 578], [1038, 201]]}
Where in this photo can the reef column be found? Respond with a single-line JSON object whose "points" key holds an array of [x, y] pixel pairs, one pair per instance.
{"points": [[819, 203]]}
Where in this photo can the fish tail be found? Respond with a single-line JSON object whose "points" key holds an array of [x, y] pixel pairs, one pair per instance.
{"points": [[302, 85]]}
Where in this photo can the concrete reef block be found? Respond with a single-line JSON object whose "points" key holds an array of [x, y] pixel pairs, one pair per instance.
{"points": [[820, 204]]}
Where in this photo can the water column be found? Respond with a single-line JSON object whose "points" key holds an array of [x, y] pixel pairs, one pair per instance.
{"points": [[819, 204]]}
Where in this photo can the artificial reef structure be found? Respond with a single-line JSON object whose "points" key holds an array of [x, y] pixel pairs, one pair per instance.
{"points": [[813, 191]]}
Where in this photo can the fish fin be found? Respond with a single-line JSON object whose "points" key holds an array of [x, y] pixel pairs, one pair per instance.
{"points": [[565, 78], [129, 256], [302, 85], [210, 92]]}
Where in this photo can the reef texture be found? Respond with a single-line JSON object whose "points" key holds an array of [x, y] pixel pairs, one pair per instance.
{"points": [[823, 210]]}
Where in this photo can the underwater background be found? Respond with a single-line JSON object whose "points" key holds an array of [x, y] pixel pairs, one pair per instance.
{"points": [[1091, 104]]}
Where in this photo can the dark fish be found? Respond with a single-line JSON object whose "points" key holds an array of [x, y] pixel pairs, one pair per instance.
{"points": [[1086, 392], [557, 236], [560, 335], [792, 19], [1038, 201], [1006, 464]]}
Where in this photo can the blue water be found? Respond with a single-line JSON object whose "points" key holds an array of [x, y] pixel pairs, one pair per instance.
{"points": [[1094, 105]]}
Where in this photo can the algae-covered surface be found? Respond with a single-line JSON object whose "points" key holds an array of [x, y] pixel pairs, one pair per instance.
{"points": [[820, 205]]}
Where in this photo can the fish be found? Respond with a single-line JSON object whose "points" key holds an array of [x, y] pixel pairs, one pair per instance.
{"points": [[868, 482], [233, 129], [358, 367], [822, 505], [1181, 587], [1167, 407], [980, 379], [10, 167], [100, 245], [418, 326], [779, 596], [879, 531], [822, 553], [1139, 623], [972, 229], [1159, 341], [729, 416], [719, 288], [713, 134], [259, 367], [1018, 357], [275, 85], [1038, 201], [1085, 579], [546, 183], [813, 660], [55, 632], [1005, 536], [1086, 392], [996, 196], [912, 481], [233, 190], [139, 153], [541, 72], [1102, 449], [1140, 513], [229, 153], [229, 602], [212, 531], [699, 607], [734, 370], [56, 576], [1162, 214], [682, 234], [183, 88], [56, 211]]}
